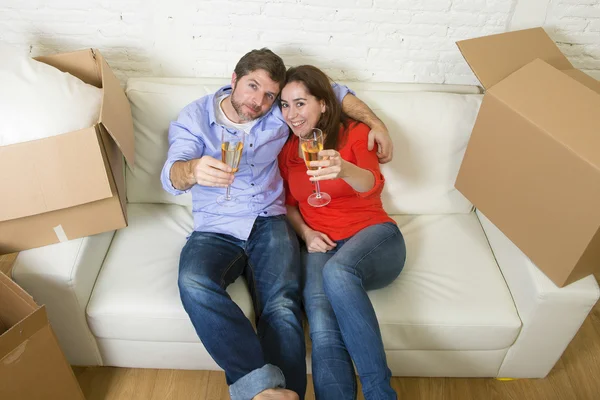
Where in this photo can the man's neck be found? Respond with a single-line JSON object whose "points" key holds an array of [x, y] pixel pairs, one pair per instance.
{"points": [[229, 111]]}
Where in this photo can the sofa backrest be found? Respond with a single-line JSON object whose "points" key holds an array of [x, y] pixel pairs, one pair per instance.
{"points": [[430, 126]]}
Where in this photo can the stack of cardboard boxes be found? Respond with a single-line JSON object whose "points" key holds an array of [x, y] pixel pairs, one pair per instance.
{"points": [[56, 189]]}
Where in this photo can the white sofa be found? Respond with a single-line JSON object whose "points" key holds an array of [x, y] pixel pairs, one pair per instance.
{"points": [[468, 303]]}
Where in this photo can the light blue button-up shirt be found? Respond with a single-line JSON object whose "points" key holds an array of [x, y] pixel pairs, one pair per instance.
{"points": [[257, 185]]}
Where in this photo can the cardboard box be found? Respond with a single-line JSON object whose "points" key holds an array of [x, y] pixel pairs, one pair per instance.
{"points": [[32, 365], [532, 165], [71, 185]]}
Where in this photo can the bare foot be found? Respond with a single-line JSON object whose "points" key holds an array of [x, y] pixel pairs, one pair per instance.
{"points": [[276, 394]]}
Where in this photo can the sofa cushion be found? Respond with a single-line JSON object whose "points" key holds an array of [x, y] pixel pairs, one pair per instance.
{"points": [[450, 296], [136, 295], [430, 131]]}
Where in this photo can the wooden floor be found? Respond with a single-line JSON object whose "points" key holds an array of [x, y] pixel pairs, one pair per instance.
{"points": [[575, 376]]}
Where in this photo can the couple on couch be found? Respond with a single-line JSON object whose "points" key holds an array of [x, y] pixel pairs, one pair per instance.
{"points": [[348, 246]]}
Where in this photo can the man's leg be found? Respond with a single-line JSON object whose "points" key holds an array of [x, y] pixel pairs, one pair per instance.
{"points": [[274, 278], [208, 264]]}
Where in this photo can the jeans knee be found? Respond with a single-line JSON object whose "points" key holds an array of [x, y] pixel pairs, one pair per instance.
{"points": [[282, 307], [336, 275], [193, 284], [326, 339]]}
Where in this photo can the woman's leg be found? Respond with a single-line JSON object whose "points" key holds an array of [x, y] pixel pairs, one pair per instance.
{"points": [[332, 369], [371, 259]]}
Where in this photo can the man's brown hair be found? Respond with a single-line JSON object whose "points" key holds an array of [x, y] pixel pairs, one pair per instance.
{"points": [[263, 59]]}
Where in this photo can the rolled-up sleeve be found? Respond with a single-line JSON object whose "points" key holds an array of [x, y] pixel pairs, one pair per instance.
{"points": [[368, 160], [341, 91], [184, 145]]}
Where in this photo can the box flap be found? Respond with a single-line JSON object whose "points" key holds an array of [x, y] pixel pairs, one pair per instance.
{"points": [[584, 79], [16, 309], [493, 58], [562, 107], [15, 303], [60, 171], [22, 331], [80, 64], [115, 114]]}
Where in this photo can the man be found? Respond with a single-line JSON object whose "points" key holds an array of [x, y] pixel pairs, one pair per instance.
{"points": [[251, 238]]}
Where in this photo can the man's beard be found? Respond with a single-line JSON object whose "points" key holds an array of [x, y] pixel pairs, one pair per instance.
{"points": [[244, 117]]}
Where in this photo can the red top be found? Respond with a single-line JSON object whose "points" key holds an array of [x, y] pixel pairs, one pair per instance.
{"points": [[349, 211]]}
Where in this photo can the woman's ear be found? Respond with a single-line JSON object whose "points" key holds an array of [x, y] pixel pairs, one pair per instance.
{"points": [[323, 106]]}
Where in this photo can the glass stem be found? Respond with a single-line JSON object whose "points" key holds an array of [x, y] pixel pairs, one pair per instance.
{"points": [[228, 194], [318, 189]]}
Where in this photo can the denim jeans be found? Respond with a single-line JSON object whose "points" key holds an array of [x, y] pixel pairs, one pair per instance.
{"points": [[270, 262], [343, 325]]}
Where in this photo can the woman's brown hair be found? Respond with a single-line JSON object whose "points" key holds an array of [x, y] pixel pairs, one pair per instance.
{"points": [[319, 85]]}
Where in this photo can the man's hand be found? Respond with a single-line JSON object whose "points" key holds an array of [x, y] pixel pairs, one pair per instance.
{"points": [[318, 242], [208, 171], [385, 146]]}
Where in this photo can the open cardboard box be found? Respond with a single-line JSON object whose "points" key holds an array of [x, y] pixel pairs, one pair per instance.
{"points": [[532, 165], [32, 365], [71, 185]]}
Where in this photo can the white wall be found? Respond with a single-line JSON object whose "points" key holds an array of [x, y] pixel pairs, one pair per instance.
{"points": [[371, 40]]}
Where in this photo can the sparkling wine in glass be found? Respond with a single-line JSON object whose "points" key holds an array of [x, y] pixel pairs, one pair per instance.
{"points": [[311, 145], [232, 146]]}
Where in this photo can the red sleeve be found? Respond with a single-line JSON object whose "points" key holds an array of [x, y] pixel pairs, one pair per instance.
{"points": [[283, 170], [365, 159]]}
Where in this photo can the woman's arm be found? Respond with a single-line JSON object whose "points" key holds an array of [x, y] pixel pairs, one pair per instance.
{"points": [[316, 242], [363, 176], [361, 180], [297, 221]]}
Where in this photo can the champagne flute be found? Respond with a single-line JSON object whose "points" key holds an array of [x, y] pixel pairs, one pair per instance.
{"points": [[311, 145], [232, 145]]}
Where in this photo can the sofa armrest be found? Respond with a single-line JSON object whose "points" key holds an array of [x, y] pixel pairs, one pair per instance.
{"points": [[62, 277], [551, 316]]}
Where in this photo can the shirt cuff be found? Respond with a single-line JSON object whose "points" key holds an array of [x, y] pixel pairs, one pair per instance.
{"points": [[165, 178], [377, 187]]}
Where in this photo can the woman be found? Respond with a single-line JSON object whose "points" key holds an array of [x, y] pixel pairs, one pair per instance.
{"points": [[352, 245]]}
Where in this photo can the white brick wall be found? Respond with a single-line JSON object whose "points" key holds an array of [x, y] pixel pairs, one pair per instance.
{"points": [[371, 40], [575, 26]]}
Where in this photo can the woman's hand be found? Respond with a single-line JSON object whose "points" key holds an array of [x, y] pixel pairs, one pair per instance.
{"points": [[318, 242], [332, 165]]}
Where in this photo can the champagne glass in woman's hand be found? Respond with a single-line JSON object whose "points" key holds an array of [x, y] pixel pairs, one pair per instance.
{"points": [[311, 145], [232, 145]]}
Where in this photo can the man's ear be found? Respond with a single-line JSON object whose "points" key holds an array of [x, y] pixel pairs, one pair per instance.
{"points": [[233, 80]]}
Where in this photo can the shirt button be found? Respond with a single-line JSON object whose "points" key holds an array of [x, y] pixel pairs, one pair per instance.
{"points": [[252, 165], [264, 212], [252, 184], [251, 145]]}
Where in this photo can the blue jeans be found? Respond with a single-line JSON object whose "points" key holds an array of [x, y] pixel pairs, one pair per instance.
{"points": [[270, 262], [343, 325]]}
